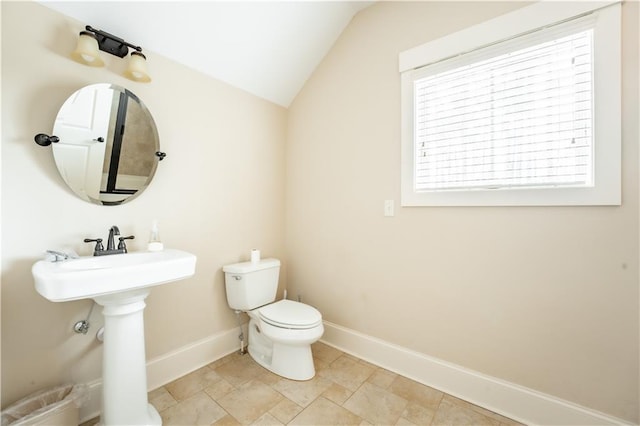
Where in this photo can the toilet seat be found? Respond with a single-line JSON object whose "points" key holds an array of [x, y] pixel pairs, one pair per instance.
{"points": [[290, 314]]}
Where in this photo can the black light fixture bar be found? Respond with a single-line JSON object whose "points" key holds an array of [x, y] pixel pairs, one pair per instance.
{"points": [[112, 44]]}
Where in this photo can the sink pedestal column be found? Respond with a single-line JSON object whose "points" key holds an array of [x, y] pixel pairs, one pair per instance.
{"points": [[124, 373]]}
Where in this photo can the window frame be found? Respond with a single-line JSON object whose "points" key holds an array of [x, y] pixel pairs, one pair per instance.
{"points": [[607, 105]]}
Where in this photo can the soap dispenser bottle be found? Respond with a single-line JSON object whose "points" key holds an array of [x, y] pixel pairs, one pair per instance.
{"points": [[154, 238]]}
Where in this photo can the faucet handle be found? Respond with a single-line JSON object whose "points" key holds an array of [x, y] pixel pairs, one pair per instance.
{"points": [[99, 247], [122, 245]]}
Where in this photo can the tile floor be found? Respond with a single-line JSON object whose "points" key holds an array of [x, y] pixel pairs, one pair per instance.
{"points": [[236, 390]]}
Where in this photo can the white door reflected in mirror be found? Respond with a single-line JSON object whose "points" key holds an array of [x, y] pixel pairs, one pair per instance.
{"points": [[108, 144]]}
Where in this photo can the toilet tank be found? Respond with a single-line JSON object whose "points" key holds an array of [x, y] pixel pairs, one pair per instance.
{"points": [[251, 285]]}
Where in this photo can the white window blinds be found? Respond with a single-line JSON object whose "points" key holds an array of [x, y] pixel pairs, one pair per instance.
{"points": [[523, 118]]}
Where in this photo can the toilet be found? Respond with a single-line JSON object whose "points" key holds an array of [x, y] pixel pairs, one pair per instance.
{"points": [[280, 333]]}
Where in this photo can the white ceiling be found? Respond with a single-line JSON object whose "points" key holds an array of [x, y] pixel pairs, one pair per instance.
{"points": [[268, 48]]}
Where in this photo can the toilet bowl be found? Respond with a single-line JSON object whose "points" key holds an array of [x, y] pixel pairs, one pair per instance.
{"points": [[280, 333], [281, 342]]}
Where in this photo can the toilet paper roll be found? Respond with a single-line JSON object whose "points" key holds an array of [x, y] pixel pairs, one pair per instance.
{"points": [[255, 256]]}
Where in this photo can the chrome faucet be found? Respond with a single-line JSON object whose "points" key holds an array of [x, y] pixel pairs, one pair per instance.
{"points": [[99, 249]]}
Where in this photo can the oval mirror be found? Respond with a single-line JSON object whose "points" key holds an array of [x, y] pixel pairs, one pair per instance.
{"points": [[107, 145]]}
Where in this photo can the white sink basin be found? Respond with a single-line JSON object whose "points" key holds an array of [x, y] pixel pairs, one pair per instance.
{"points": [[119, 283], [94, 276]]}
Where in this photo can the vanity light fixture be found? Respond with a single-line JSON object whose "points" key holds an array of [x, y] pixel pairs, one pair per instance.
{"points": [[91, 40]]}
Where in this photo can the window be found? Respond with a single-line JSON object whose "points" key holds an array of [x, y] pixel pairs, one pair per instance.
{"points": [[522, 118], [532, 120]]}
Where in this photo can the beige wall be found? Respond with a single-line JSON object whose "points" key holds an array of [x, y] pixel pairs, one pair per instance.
{"points": [[219, 192], [543, 297]]}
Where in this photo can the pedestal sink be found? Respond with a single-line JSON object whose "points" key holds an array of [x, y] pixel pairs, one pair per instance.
{"points": [[119, 283]]}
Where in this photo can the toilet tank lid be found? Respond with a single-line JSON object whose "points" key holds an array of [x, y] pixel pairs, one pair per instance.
{"points": [[246, 267]]}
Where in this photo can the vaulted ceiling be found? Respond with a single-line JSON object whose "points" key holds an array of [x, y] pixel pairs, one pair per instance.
{"points": [[268, 48]]}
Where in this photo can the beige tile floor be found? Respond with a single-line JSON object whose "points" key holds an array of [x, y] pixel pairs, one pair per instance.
{"points": [[345, 391]]}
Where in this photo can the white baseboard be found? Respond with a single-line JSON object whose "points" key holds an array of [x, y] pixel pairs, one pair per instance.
{"points": [[514, 401], [508, 399], [168, 367]]}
